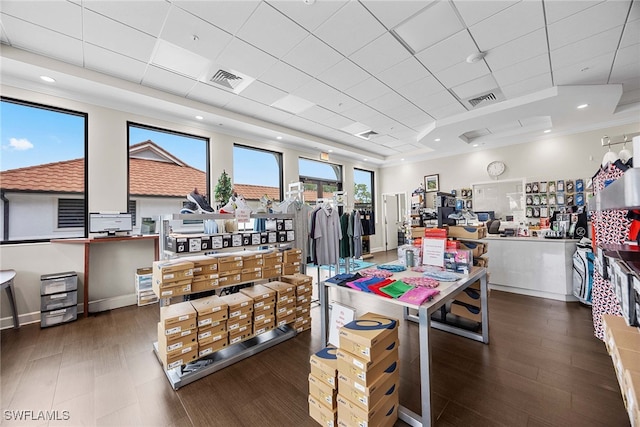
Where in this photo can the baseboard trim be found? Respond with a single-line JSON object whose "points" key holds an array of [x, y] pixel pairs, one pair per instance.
{"points": [[534, 293]]}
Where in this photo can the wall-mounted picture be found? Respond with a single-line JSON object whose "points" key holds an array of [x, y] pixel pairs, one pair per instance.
{"points": [[432, 183]]}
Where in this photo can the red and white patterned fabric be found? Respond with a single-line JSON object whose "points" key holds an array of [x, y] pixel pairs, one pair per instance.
{"points": [[610, 227]]}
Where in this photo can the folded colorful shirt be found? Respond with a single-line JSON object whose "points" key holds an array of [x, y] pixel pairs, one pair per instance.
{"points": [[442, 276], [376, 288], [392, 267], [418, 295], [365, 282], [340, 278], [396, 289], [425, 282], [374, 272]]}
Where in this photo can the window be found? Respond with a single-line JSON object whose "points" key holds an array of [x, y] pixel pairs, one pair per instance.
{"points": [[164, 167], [363, 189], [41, 144], [320, 179], [256, 173]]}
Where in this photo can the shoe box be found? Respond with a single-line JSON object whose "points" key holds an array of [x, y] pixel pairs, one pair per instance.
{"points": [[368, 336], [209, 310], [207, 348], [384, 414], [179, 357], [170, 343], [205, 282], [203, 264], [252, 261], [367, 397], [260, 296], [284, 291], [168, 273], [236, 302], [236, 337], [361, 374], [467, 231], [285, 320], [272, 272], [291, 268], [263, 325], [292, 255], [321, 413], [251, 274], [178, 317], [178, 288], [324, 366], [230, 263], [272, 259], [323, 392]]}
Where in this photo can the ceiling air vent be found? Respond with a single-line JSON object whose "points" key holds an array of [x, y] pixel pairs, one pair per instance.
{"points": [[366, 134], [487, 98], [226, 79]]}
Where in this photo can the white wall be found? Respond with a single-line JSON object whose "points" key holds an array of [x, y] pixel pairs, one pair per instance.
{"points": [[565, 157], [113, 265]]}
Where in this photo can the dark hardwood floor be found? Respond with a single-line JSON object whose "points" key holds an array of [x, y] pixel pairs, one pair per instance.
{"points": [[543, 367]]}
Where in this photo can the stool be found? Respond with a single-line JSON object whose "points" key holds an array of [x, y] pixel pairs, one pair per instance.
{"points": [[6, 283]]}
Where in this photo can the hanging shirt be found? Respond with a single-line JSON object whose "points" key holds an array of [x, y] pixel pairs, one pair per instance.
{"points": [[356, 235], [345, 250], [327, 235], [302, 214]]}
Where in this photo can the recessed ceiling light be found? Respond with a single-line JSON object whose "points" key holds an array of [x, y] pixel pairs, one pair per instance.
{"points": [[475, 145], [475, 57], [199, 117], [364, 160], [278, 137], [581, 106], [437, 140], [331, 151], [48, 79], [547, 131], [402, 160]]}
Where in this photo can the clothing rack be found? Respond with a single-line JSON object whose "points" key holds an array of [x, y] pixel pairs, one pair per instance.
{"points": [[296, 189], [622, 139]]}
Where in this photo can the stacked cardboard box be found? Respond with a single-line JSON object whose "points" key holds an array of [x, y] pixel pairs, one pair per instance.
{"points": [[240, 320], [177, 342], [272, 265], [323, 387], [292, 261], [205, 273], [172, 278], [303, 289], [252, 267], [285, 302], [368, 372], [264, 303], [468, 303], [211, 321], [230, 270]]}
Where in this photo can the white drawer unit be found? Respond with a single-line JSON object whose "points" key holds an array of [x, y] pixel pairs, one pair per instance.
{"points": [[58, 298]]}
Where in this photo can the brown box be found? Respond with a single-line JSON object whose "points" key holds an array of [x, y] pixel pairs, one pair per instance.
{"points": [[179, 357], [305, 288], [363, 372], [469, 296], [258, 293], [281, 321], [251, 274], [178, 314], [212, 347], [368, 344], [323, 392], [467, 231], [283, 290], [476, 248], [166, 272], [216, 328], [385, 414], [265, 321], [239, 324], [241, 315], [467, 311], [229, 278], [265, 304], [204, 283], [260, 315], [368, 397], [272, 259], [292, 255], [252, 261], [237, 301], [258, 330], [324, 366], [305, 326], [179, 288], [204, 264], [272, 272], [240, 336], [176, 341], [298, 279], [321, 413], [286, 310], [302, 310], [303, 299], [211, 305], [291, 268], [230, 263]]}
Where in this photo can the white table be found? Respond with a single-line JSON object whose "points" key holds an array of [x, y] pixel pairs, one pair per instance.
{"points": [[448, 290], [6, 283]]}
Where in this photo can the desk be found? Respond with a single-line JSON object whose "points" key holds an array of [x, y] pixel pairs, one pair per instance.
{"points": [[448, 290], [87, 245]]}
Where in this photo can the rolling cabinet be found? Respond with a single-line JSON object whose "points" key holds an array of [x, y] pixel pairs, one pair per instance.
{"points": [[58, 298], [194, 263]]}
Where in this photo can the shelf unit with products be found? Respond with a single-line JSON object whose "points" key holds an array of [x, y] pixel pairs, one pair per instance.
{"points": [[202, 331]]}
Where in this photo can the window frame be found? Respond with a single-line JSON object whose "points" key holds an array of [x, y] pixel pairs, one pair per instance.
{"points": [[279, 161], [85, 193]]}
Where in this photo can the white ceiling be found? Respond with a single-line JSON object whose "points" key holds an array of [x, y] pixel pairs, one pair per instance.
{"points": [[316, 72]]}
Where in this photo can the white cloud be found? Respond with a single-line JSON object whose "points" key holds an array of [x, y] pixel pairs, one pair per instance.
{"points": [[20, 144]]}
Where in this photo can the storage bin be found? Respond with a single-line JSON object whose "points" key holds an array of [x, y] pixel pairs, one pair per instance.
{"points": [[58, 282], [59, 300], [57, 317]]}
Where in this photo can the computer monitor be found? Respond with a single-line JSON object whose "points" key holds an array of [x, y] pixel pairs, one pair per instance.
{"points": [[485, 216]]}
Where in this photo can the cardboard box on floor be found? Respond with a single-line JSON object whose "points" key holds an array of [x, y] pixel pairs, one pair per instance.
{"points": [[368, 397], [321, 413], [173, 342], [366, 375], [367, 336], [178, 358], [385, 414], [324, 366], [322, 391]]}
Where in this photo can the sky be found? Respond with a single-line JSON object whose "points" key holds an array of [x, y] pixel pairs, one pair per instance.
{"points": [[32, 136]]}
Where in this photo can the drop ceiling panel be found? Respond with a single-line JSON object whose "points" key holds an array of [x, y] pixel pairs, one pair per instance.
{"points": [[263, 93], [518, 50], [226, 15], [147, 16], [167, 81], [505, 127], [597, 19], [315, 91], [368, 89], [393, 143], [3, 36], [60, 16], [292, 104], [513, 22], [557, 10], [271, 31], [387, 102], [243, 57], [447, 111], [211, 95], [181, 27], [113, 35], [343, 75], [364, 114], [473, 12], [431, 25], [475, 87], [244, 106], [309, 16], [628, 56], [437, 100], [421, 88], [284, 77], [271, 115], [528, 86], [593, 71], [338, 121], [350, 28], [380, 54], [50, 43], [462, 72], [312, 56], [408, 71], [448, 52], [105, 61], [631, 97], [175, 58], [339, 102], [583, 50], [393, 13], [631, 33], [317, 114], [523, 70]]}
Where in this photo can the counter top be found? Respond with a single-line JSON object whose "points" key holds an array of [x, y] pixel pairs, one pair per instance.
{"points": [[530, 239]]}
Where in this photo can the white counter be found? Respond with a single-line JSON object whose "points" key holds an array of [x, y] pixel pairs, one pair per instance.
{"points": [[532, 266]]}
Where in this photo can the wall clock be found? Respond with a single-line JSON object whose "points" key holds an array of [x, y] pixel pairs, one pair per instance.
{"points": [[496, 168]]}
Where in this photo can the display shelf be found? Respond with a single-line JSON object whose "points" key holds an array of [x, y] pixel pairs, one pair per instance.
{"points": [[623, 193], [207, 365], [198, 216]]}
